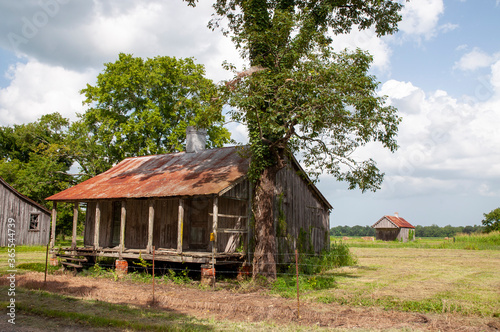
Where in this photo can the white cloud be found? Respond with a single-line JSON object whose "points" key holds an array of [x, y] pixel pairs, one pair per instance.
{"points": [[87, 34], [366, 40], [447, 27], [420, 18], [473, 60], [446, 145], [36, 89]]}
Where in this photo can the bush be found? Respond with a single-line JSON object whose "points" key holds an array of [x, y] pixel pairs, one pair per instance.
{"points": [[338, 255]]}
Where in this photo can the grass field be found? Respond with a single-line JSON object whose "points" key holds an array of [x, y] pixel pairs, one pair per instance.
{"points": [[424, 276], [460, 241], [421, 280]]}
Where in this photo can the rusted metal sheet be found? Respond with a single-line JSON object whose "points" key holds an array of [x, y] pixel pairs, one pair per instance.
{"points": [[386, 221], [169, 175]]}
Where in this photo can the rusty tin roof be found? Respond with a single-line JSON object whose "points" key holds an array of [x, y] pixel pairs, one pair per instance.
{"points": [[176, 174], [397, 221], [400, 222]]}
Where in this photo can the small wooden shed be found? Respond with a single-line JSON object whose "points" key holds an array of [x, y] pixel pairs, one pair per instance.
{"points": [[175, 201], [22, 220], [394, 228]]}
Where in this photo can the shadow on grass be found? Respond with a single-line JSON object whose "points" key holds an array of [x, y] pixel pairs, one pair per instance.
{"points": [[33, 298]]}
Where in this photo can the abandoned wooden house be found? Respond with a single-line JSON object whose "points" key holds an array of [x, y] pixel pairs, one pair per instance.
{"points": [[191, 206], [22, 220], [394, 228]]}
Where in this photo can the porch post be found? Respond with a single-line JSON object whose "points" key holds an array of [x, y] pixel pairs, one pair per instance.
{"points": [[151, 220], [97, 225], [180, 225], [249, 217], [215, 221], [123, 218], [53, 231], [75, 222]]}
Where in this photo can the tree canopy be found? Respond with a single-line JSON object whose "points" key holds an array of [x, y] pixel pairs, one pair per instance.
{"points": [[299, 94], [491, 221], [142, 107], [35, 158]]}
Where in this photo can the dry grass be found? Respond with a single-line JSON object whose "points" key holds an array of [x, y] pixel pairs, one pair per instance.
{"points": [[425, 280]]}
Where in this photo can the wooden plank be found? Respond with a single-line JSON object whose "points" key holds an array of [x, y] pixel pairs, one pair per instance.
{"points": [[229, 216], [234, 239], [123, 219], [75, 222], [73, 259], [151, 219], [180, 225], [54, 217], [231, 230], [71, 264], [97, 225], [215, 220]]}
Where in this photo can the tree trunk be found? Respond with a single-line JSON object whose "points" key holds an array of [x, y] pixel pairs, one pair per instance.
{"points": [[264, 262]]}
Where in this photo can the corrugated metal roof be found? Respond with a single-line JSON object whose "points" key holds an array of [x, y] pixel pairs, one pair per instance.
{"points": [[176, 174], [400, 222], [397, 221]]}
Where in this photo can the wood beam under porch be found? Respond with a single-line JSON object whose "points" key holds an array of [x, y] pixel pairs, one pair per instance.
{"points": [[161, 254]]}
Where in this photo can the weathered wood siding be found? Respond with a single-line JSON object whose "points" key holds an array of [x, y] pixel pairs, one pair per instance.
{"points": [[197, 224], [299, 209], [165, 223], [384, 223], [232, 207], [12, 205], [136, 225], [387, 234], [394, 234]]}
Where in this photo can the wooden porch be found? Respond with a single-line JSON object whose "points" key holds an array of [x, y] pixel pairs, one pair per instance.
{"points": [[180, 230], [162, 254]]}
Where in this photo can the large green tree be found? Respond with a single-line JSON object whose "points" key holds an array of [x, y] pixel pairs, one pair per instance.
{"points": [[141, 107], [299, 95], [491, 221], [35, 159]]}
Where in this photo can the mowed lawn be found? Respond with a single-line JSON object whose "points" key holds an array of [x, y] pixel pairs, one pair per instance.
{"points": [[424, 280], [408, 279]]}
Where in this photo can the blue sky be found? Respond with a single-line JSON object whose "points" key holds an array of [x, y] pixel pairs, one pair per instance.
{"points": [[441, 70]]}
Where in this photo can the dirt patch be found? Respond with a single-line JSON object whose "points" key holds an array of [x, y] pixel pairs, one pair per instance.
{"points": [[249, 307]]}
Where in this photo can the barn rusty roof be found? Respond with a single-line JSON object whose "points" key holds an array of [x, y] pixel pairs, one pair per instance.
{"points": [[176, 174], [400, 222]]}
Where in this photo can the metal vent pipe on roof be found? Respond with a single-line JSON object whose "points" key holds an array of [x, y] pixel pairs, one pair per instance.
{"points": [[196, 139]]}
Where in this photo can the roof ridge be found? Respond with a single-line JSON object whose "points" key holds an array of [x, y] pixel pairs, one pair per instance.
{"points": [[24, 197]]}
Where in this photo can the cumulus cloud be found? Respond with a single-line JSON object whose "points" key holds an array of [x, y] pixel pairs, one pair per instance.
{"points": [[420, 18], [38, 89], [446, 144], [473, 60], [366, 40], [83, 34]]}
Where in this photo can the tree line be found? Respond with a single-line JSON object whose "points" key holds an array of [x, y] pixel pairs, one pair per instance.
{"points": [[420, 231]]}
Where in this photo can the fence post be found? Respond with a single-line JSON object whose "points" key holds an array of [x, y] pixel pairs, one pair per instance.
{"points": [[154, 275], [46, 263], [297, 269]]}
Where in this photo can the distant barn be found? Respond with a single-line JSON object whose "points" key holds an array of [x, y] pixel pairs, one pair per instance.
{"points": [[30, 220], [394, 228]]}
